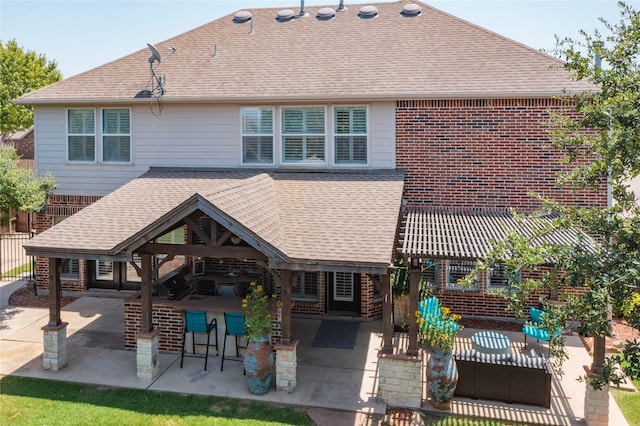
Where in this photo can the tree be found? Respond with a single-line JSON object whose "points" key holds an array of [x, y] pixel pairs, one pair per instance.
{"points": [[601, 139], [20, 189], [21, 72]]}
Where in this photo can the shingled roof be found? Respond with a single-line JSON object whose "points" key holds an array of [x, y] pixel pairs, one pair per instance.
{"points": [[389, 56], [328, 218]]}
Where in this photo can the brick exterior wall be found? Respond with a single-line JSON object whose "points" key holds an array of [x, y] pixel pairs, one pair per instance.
{"points": [[480, 153], [166, 319], [61, 206]]}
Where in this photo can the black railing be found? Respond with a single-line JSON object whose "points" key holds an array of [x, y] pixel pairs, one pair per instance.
{"points": [[14, 262]]}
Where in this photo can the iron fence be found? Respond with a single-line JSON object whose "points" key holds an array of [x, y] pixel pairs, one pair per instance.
{"points": [[14, 262]]}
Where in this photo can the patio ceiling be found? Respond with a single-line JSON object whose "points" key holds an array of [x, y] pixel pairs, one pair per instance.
{"points": [[467, 234]]}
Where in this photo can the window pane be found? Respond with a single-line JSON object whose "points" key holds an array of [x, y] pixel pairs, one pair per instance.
{"points": [[315, 120], [292, 121], [81, 121], [257, 121], [458, 270], [351, 149], [306, 286], [343, 287], [315, 148], [351, 120], [116, 149], [303, 120], [115, 121], [292, 148], [257, 149], [104, 270], [82, 148], [497, 277]]}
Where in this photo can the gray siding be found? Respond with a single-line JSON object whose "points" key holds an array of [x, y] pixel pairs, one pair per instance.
{"points": [[181, 136]]}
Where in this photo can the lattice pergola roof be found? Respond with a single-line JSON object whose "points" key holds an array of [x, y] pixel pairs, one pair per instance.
{"points": [[464, 234]]}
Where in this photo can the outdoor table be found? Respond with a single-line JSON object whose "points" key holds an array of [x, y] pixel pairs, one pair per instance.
{"points": [[491, 342]]}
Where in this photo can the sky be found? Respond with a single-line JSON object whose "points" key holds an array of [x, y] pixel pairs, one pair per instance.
{"points": [[81, 35]]}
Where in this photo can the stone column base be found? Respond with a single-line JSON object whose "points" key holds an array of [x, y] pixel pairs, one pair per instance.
{"points": [[286, 366], [148, 353], [400, 379], [596, 406], [54, 356]]}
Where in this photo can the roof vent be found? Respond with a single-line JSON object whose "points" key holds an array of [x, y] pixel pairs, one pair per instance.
{"points": [[410, 9], [285, 15], [241, 17], [367, 12], [325, 14]]}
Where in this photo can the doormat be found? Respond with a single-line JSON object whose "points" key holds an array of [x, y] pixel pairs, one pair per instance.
{"points": [[336, 334]]}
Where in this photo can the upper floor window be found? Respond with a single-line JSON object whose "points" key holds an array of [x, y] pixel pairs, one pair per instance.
{"points": [[303, 135], [116, 135], [257, 135], [81, 135], [350, 135]]}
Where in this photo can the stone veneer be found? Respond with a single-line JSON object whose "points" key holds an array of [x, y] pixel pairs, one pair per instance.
{"points": [[147, 355], [54, 356], [596, 406], [400, 379], [286, 366]]}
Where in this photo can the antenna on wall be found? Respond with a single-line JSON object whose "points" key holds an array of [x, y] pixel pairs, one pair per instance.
{"points": [[157, 88]]}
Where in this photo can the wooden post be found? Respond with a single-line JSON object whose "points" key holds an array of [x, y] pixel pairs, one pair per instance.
{"points": [[285, 297], [598, 354], [146, 294], [55, 292], [387, 313], [414, 281]]}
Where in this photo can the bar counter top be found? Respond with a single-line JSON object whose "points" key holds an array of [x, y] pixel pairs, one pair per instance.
{"points": [[209, 303]]}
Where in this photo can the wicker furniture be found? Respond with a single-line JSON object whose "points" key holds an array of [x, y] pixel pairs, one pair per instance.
{"points": [[510, 378]]}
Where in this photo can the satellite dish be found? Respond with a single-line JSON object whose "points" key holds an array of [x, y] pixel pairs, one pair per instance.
{"points": [[155, 55]]}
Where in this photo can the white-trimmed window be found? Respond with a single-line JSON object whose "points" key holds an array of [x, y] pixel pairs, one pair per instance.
{"points": [[257, 135], [497, 277], [104, 270], [81, 135], [306, 287], [457, 270], [429, 273], [116, 135], [343, 287], [303, 135], [350, 135]]}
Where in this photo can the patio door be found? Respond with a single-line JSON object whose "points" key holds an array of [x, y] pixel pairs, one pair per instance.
{"points": [[343, 292]]}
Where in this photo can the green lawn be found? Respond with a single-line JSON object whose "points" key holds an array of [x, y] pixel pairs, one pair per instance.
{"points": [[25, 401], [629, 403], [18, 270]]}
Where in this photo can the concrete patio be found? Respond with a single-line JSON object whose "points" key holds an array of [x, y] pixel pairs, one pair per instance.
{"points": [[336, 379]]}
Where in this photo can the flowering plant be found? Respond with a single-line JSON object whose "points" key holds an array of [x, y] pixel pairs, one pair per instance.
{"points": [[257, 314], [438, 329]]}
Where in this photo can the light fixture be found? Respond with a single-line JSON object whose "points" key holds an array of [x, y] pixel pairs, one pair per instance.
{"points": [[236, 240]]}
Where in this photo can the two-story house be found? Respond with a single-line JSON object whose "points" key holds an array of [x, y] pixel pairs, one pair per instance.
{"points": [[288, 146]]}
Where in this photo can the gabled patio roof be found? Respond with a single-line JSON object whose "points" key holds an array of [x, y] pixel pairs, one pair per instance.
{"points": [[467, 234], [298, 220]]}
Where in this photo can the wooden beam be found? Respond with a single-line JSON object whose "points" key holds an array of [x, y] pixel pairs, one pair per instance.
{"points": [[193, 226], [387, 313], [287, 305], [202, 250], [414, 280], [146, 294], [55, 292]]}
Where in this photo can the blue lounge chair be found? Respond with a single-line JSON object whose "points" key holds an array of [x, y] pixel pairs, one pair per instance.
{"points": [[536, 329]]}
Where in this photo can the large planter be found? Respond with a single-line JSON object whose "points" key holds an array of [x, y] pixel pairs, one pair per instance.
{"points": [[442, 378], [258, 364]]}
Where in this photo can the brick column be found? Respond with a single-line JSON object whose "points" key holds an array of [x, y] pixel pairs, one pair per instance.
{"points": [[148, 352], [54, 356], [286, 366], [596, 406], [400, 379]]}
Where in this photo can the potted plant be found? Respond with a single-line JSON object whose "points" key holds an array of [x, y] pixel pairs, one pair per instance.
{"points": [[258, 359], [437, 331]]}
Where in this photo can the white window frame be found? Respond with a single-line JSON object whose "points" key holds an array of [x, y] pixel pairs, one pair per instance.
{"points": [[304, 294], [305, 160], [104, 134], [339, 297], [351, 135], [465, 264], [93, 135], [103, 277], [245, 134]]}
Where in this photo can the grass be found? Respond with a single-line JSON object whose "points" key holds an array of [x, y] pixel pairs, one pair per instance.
{"points": [[629, 403], [27, 401], [18, 271]]}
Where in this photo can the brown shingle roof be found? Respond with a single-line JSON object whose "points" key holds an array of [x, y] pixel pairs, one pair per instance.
{"points": [[434, 55], [310, 217], [441, 234]]}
